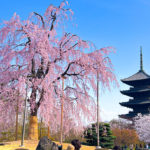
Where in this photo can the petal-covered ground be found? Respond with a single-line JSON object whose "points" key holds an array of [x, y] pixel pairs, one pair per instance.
{"points": [[31, 145]]}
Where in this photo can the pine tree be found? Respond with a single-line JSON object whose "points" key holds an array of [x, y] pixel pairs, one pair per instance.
{"points": [[106, 137]]}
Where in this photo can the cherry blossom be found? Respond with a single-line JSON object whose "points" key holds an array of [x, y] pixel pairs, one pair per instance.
{"points": [[33, 52]]}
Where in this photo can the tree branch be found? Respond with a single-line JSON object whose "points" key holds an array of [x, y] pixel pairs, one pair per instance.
{"points": [[41, 98], [43, 23]]}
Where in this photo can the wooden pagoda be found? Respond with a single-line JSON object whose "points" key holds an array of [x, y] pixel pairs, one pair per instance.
{"points": [[139, 93]]}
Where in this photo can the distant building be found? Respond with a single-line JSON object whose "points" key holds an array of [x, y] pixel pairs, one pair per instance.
{"points": [[139, 93]]}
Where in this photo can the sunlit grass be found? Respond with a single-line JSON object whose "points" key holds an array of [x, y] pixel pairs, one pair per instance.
{"points": [[31, 145]]}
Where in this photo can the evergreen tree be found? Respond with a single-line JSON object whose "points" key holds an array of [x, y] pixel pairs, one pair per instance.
{"points": [[106, 138]]}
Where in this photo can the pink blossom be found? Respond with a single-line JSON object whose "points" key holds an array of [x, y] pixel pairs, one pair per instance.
{"points": [[32, 53]]}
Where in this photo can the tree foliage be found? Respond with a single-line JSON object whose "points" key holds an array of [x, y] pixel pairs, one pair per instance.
{"points": [[121, 124], [106, 138], [125, 136], [10, 102], [142, 126]]}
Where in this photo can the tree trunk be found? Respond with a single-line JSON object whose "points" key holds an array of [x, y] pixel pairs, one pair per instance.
{"points": [[33, 128], [16, 134], [17, 113], [48, 132]]}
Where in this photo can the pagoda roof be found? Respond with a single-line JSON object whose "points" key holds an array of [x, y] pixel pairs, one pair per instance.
{"points": [[127, 116], [135, 102], [135, 91], [140, 75], [130, 115]]}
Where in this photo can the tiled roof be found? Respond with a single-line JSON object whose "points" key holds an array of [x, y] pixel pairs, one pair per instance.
{"points": [[141, 75], [130, 115], [135, 102], [135, 91]]}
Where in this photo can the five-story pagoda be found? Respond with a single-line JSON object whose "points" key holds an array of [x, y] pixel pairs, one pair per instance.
{"points": [[139, 93]]}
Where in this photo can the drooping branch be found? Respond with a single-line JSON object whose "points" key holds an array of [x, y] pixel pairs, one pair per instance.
{"points": [[65, 73], [67, 69], [43, 23], [40, 99], [40, 71], [47, 69], [68, 40], [33, 67], [53, 21]]}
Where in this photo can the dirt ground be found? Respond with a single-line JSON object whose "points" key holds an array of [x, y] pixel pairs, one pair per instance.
{"points": [[31, 145]]}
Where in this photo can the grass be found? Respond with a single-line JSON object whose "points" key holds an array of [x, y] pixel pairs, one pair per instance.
{"points": [[31, 145]]}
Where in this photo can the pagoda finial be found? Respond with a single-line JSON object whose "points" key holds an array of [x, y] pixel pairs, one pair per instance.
{"points": [[141, 59]]}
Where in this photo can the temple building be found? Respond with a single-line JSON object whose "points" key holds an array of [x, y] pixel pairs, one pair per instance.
{"points": [[139, 93]]}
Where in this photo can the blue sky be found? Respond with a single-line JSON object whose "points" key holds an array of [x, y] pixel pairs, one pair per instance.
{"points": [[123, 24]]}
